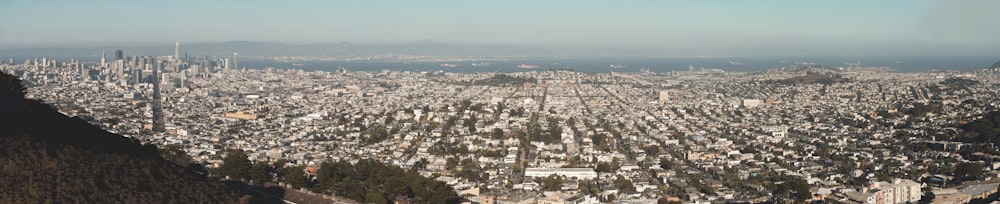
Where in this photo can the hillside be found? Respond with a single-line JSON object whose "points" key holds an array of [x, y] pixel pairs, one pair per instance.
{"points": [[812, 78], [985, 130], [48, 157]]}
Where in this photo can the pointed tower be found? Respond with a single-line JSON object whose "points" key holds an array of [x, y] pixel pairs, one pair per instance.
{"points": [[104, 62]]}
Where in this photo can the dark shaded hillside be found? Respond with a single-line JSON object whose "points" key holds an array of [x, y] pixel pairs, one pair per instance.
{"points": [[985, 130], [47, 157]]}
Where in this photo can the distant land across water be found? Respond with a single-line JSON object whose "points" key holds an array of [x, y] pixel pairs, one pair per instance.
{"points": [[658, 65], [599, 64]]}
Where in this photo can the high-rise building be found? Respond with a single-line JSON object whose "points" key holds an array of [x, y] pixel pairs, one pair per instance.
{"points": [[236, 60], [177, 51], [119, 55], [136, 76], [166, 78], [84, 74], [193, 70], [104, 62]]}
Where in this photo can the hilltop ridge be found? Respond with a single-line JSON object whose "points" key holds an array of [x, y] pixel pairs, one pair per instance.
{"points": [[51, 158]]}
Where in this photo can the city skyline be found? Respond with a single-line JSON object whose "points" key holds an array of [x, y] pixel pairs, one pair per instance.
{"points": [[684, 28], [802, 132], [583, 102]]}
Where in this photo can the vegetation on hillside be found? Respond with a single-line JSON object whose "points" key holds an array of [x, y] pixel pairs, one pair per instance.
{"points": [[48, 157], [985, 130], [501, 80], [370, 181], [367, 181], [811, 78]]}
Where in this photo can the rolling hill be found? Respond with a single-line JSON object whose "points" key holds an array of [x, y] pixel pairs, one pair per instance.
{"points": [[47, 157]]}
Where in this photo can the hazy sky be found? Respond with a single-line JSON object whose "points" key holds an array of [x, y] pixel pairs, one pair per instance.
{"points": [[663, 24]]}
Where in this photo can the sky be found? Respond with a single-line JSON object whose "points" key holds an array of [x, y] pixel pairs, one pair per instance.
{"points": [[828, 26]]}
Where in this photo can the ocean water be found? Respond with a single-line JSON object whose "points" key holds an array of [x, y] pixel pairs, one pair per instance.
{"points": [[901, 64]]}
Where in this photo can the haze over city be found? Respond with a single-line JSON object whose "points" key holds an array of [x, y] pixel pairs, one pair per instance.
{"points": [[676, 28]]}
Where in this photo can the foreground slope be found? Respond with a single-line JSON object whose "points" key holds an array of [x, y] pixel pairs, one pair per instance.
{"points": [[47, 157]]}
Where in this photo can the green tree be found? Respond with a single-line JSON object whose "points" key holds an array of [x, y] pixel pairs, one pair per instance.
{"points": [[794, 187], [624, 185], [450, 163], [497, 133], [603, 167], [471, 122], [375, 197], [175, 154], [295, 176], [652, 150], [552, 183], [235, 165], [470, 170], [361, 181], [588, 187], [420, 165], [968, 171], [280, 163], [666, 164], [260, 172]]}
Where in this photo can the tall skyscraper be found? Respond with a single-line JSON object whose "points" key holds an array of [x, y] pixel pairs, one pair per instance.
{"points": [[119, 55], [104, 62], [236, 60], [84, 74], [177, 51]]}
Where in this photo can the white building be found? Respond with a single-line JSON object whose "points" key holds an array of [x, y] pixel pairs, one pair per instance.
{"points": [[897, 192], [900, 191], [664, 97], [775, 130], [752, 103], [579, 173]]}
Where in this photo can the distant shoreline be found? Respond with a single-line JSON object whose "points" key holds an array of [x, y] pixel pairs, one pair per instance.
{"points": [[589, 64]]}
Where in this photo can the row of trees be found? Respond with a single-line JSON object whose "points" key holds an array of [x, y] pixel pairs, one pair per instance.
{"points": [[237, 166], [367, 181], [370, 181], [503, 80]]}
